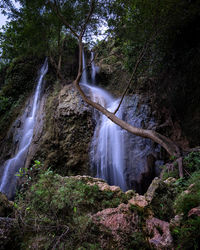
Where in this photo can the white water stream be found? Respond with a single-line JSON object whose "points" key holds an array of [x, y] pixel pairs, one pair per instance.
{"points": [[108, 140], [12, 166]]}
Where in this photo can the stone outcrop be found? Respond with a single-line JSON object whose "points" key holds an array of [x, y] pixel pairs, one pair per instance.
{"points": [[146, 199], [68, 128], [138, 200], [120, 222], [160, 230], [194, 211]]}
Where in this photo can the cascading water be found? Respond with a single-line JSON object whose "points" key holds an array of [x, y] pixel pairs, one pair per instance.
{"points": [[117, 156], [109, 137], [93, 73], [84, 74], [12, 166]]}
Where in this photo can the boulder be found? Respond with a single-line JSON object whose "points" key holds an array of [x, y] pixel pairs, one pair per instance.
{"points": [[194, 211], [161, 236], [138, 200], [120, 222], [176, 221], [6, 206], [102, 185]]}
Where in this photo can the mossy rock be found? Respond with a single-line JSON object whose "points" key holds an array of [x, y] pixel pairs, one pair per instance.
{"points": [[6, 206]]}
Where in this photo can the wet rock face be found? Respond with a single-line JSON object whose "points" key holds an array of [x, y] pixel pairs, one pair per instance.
{"points": [[67, 132], [143, 155]]}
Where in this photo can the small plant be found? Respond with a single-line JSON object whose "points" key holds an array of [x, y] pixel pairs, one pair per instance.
{"points": [[29, 175], [22, 172], [192, 162], [172, 158]]}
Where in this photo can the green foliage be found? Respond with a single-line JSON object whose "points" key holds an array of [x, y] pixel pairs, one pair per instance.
{"points": [[5, 104], [170, 173], [137, 241], [28, 172], [187, 236], [22, 35], [60, 205], [75, 195], [192, 162], [190, 199], [162, 203], [38, 18]]}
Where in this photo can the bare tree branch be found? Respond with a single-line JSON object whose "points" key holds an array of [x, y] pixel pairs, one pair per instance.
{"points": [[55, 8], [92, 6], [53, 63], [141, 55]]}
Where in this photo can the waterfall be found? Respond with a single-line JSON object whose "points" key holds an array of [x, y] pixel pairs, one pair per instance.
{"points": [[108, 137], [12, 166], [84, 74], [95, 69], [118, 156], [93, 74]]}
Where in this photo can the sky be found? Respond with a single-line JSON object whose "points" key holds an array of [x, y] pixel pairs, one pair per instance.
{"points": [[2, 20]]}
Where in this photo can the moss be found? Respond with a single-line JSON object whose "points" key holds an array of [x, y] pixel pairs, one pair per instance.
{"points": [[191, 198], [137, 240], [186, 236], [162, 203]]}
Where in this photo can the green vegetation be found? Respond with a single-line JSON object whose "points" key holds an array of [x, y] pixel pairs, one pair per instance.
{"points": [[58, 210], [162, 203], [187, 235]]}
